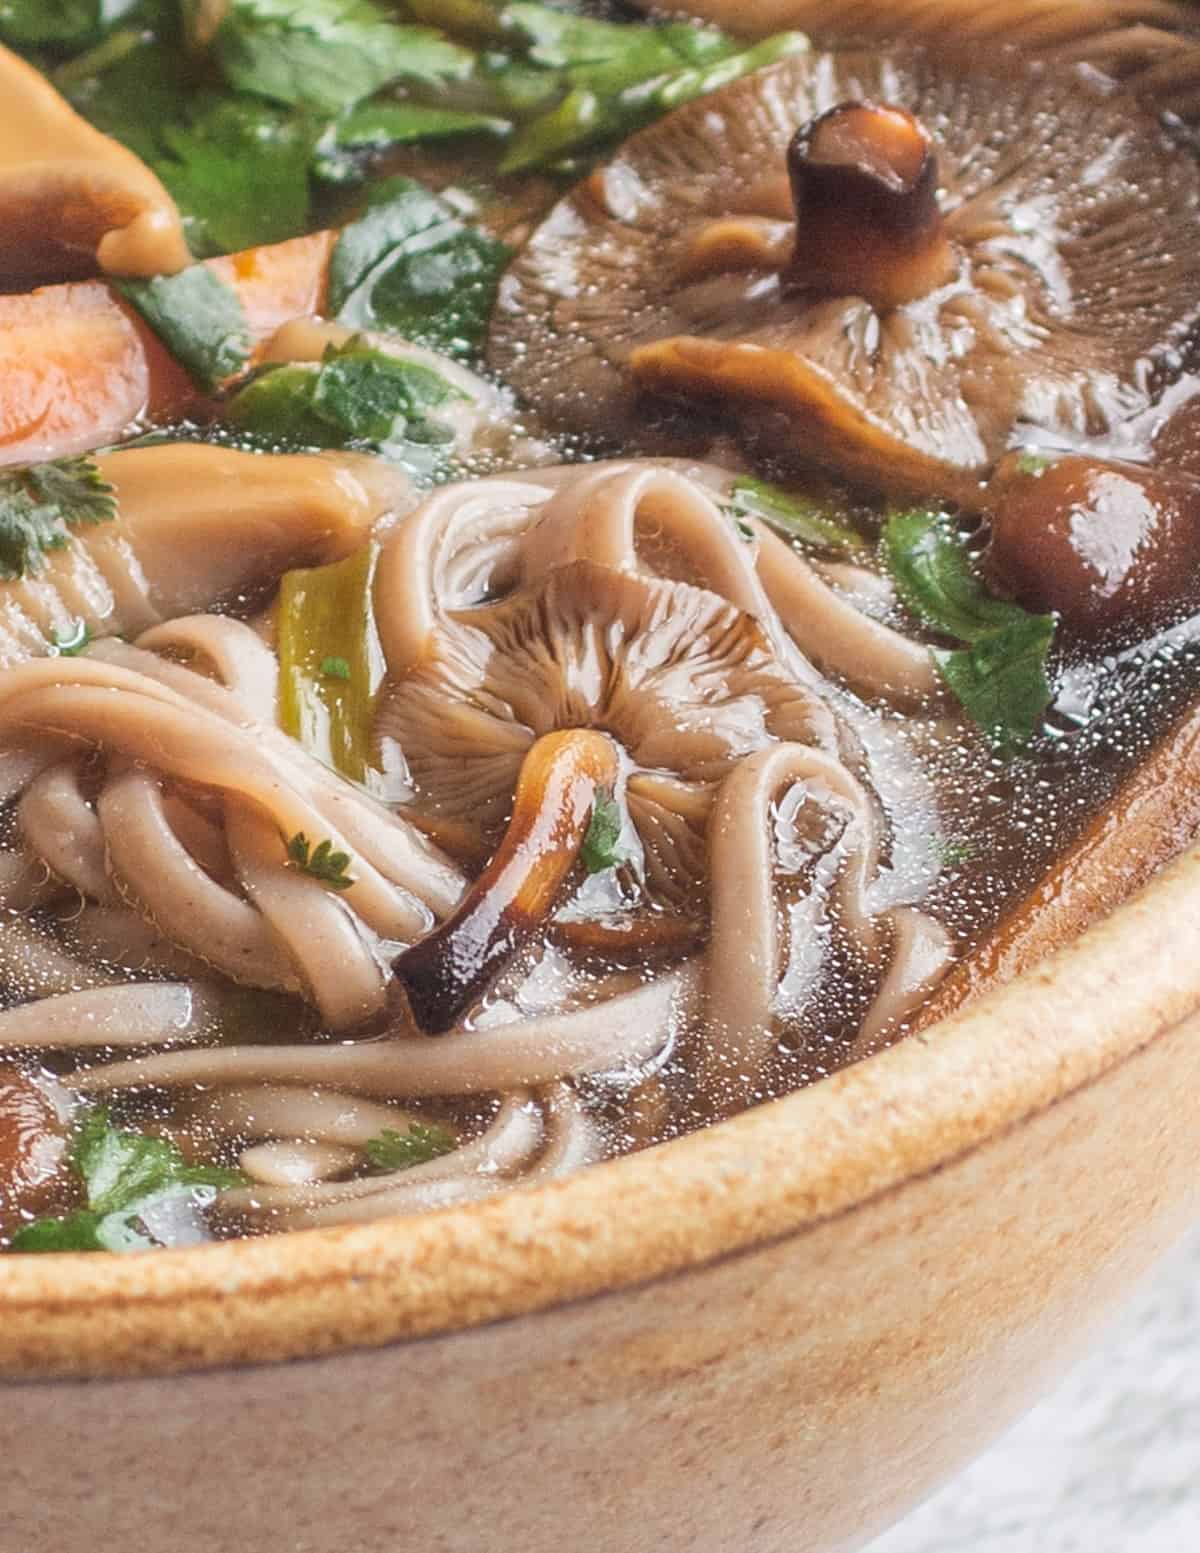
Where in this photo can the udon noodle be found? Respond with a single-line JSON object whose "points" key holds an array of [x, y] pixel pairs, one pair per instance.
{"points": [[154, 796]]}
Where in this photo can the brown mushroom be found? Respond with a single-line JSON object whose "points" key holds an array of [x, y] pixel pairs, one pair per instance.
{"points": [[684, 682], [1112, 548], [446, 970], [71, 199], [1073, 224], [33, 1146], [196, 525]]}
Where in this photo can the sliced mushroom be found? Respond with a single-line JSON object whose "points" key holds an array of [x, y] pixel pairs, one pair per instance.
{"points": [[516, 892], [33, 1144], [72, 199], [1072, 224], [197, 525]]}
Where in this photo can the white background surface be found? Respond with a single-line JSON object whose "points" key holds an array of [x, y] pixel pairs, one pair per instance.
{"points": [[1109, 1464]]}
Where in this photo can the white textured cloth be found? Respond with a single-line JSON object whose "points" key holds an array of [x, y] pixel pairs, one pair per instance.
{"points": [[1109, 1464]]}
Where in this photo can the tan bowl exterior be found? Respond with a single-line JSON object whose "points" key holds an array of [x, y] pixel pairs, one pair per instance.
{"points": [[775, 1334]]}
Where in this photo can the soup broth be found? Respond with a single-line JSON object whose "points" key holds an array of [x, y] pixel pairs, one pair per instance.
{"points": [[609, 634]]}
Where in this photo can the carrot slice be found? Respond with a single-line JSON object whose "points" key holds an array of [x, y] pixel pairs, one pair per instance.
{"points": [[79, 368], [1153, 817]]}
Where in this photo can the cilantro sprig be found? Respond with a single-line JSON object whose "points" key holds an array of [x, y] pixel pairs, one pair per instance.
{"points": [[409, 264], [127, 1177], [419, 1143], [41, 503], [601, 848], [999, 674], [320, 862]]}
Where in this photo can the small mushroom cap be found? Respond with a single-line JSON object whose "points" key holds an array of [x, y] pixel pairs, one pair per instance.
{"points": [[1076, 226]]}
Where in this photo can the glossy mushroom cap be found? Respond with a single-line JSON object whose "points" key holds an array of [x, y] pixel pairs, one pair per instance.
{"points": [[678, 270]]}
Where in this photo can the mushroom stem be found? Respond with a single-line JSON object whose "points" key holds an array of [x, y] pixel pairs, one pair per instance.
{"points": [[864, 184], [443, 973]]}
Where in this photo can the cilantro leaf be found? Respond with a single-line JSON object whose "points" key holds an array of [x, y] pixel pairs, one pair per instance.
{"points": [[125, 1176], [600, 850], [615, 77], [76, 488], [321, 862], [346, 146], [999, 675], [356, 396], [423, 1141], [328, 54], [408, 264], [335, 668], [198, 318], [39, 503], [795, 517]]}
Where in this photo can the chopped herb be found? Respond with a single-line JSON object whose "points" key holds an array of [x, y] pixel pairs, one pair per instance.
{"points": [[125, 1175], [40, 503], [198, 318], [423, 1141], [322, 862], [335, 668], [613, 77], [1033, 463], [796, 517], [61, 24], [999, 676], [356, 396], [744, 529], [69, 644], [600, 850], [328, 54], [375, 126], [408, 264]]}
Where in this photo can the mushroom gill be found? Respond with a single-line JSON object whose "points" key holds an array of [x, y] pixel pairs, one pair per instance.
{"points": [[72, 199], [1050, 292]]}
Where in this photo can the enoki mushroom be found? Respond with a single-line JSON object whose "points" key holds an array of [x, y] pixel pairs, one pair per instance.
{"points": [[579, 639]]}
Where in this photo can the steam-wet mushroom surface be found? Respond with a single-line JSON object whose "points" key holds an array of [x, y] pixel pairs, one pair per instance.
{"points": [[561, 575]]}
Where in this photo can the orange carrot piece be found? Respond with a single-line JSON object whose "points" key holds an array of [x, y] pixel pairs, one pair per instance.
{"points": [[79, 368]]}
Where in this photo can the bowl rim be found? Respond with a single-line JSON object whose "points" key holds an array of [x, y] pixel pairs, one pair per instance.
{"points": [[776, 1171]]}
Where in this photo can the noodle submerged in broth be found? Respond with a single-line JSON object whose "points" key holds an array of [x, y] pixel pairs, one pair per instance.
{"points": [[419, 783]]}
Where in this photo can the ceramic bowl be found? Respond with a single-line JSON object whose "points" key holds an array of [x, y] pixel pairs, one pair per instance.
{"points": [[776, 1334]]}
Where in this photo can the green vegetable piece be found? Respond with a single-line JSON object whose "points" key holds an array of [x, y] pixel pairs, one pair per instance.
{"points": [[69, 644], [409, 265], [335, 668], [376, 126], [1033, 463], [600, 850], [999, 677], [124, 1174], [321, 861], [421, 1142], [328, 54], [40, 503], [198, 318], [61, 24], [355, 397], [796, 517], [324, 615], [616, 77]]}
